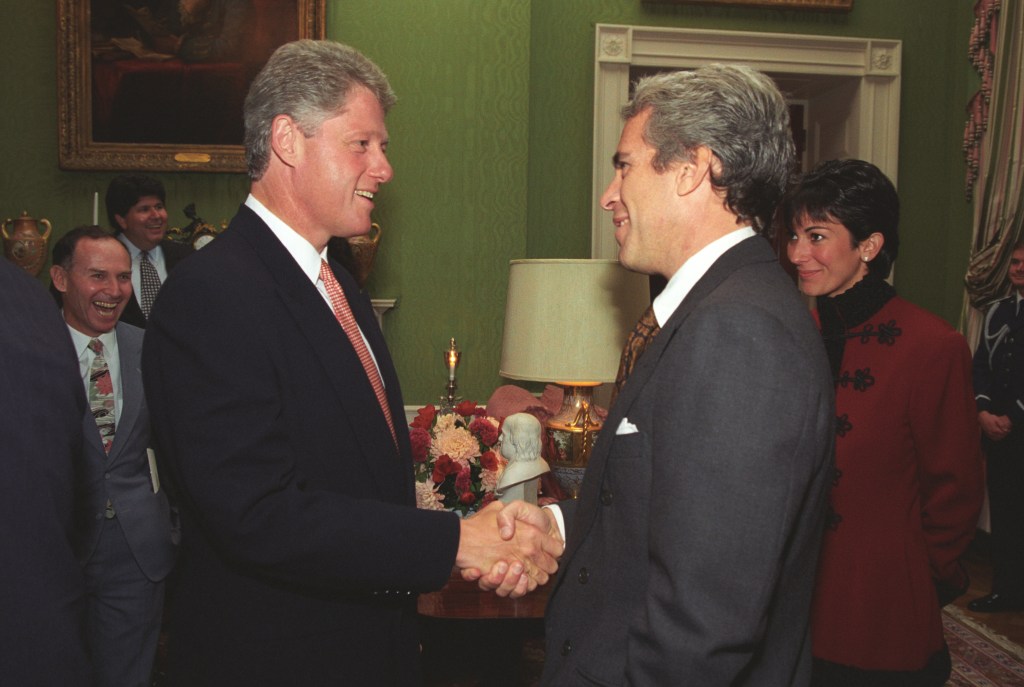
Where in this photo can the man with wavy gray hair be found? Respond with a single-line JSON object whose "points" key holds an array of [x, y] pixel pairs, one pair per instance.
{"points": [[691, 551], [276, 404]]}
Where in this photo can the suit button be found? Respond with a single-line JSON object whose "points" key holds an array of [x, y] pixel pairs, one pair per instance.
{"points": [[566, 647], [583, 576], [606, 497]]}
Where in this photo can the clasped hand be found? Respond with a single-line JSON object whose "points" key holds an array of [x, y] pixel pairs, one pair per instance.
{"points": [[518, 544]]}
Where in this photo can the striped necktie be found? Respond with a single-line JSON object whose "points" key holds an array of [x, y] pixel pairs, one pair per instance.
{"points": [[101, 395], [343, 313]]}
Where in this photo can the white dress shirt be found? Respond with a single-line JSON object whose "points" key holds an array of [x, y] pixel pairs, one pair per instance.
{"points": [[307, 257], [156, 257]]}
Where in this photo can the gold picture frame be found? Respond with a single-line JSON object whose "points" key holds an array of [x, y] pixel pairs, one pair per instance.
{"points": [[140, 89], [834, 5]]}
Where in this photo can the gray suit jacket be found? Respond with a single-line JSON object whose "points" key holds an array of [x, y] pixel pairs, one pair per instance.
{"points": [[692, 550], [123, 476]]}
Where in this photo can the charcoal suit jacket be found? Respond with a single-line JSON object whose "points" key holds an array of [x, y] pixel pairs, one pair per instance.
{"points": [[302, 549], [691, 552]]}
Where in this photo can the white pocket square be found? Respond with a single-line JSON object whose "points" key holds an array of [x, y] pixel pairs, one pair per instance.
{"points": [[626, 427]]}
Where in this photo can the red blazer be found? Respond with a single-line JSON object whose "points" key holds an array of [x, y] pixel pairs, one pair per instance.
{"points": [[907, 494]]}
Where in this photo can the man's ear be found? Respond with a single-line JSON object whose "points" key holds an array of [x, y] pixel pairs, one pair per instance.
{"points": [[693, 173], [285, 139], [121, 222], [59, 277]]}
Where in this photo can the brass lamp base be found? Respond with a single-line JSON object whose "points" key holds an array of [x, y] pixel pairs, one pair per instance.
{"points": [[571, 435]]}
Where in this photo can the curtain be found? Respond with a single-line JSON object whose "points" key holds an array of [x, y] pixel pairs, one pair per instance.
{"points": [[997, 40]]}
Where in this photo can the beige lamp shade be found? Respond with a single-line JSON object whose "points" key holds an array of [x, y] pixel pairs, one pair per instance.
{"points": [[567, 320]]}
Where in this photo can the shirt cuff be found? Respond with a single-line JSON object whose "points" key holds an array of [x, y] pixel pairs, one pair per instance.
{"points": [[559, 518]]}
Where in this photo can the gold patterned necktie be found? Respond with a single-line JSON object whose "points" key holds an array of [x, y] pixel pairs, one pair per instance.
{"points": [[343, 313], [101, 395], [645, 330], [149, 280]]}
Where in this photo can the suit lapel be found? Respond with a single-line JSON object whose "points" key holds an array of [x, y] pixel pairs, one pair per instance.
{"points": [[331, 347], [746, 252], [129, 353]]}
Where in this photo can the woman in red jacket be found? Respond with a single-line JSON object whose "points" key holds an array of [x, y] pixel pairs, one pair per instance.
{"points": [[908, 482]]}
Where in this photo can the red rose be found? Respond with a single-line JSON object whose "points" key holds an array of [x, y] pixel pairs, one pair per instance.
{"points": [[484, 431], [420, 440], [489, 461], [488, 498], [424, 418], [468, 498], [466, 408], [443, 467]]}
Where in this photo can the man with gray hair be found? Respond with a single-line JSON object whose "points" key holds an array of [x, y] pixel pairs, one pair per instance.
{"points": [[691, 552], [278, 409]]}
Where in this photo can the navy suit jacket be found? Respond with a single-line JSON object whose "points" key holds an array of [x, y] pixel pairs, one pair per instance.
{"points": [[123, 475], [42, 589], [173, 254], [692, 550], [302, 549]]}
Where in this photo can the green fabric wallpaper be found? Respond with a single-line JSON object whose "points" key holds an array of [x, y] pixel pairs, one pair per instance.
{"points": [[491, 141]]}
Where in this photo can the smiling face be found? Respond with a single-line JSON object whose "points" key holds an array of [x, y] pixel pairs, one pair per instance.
{"points": [[337, 171], [827, 259], [97, 285], [145, 223], [1017, 270], [643, 205]]}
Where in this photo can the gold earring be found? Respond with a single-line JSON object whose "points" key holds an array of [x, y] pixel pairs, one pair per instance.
{"points": [[865, 258]]}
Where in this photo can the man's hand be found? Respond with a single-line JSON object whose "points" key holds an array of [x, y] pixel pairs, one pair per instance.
{"points": [[995, 427], [518, 544]]}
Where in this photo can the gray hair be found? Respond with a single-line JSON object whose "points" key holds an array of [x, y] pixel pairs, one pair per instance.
{"points": [[309, 81], [738, 114], [520, 437]]}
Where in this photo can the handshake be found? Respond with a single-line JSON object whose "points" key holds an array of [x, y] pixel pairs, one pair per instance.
{"points": [[509, 548]]}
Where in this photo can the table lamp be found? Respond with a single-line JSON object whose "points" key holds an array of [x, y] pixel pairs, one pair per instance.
{"points": [[566, 322]]}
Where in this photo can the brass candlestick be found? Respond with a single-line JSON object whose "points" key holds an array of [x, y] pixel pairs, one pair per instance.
{"points": [[451, 361]]}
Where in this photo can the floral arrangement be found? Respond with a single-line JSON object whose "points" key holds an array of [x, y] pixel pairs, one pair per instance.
{"points": [[454, 457]]}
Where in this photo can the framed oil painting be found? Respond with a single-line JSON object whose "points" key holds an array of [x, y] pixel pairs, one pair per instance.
{"points": [[159, 84], [840, 5]]}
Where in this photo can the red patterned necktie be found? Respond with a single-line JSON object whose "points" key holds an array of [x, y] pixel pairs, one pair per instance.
{"points": [[645, 330], [101, 395], [347, 320]]}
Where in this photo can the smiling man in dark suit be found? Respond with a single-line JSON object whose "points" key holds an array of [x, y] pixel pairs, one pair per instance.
{"points": [[691, 553], [137, 210], [276, 402]]}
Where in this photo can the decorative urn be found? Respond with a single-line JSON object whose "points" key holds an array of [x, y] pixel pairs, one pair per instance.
{"points": [[23, 244]]}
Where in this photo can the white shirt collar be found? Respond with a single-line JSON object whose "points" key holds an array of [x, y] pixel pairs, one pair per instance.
{"points": [[301, 250], [692, 270], [155, 253], [81, 342]]}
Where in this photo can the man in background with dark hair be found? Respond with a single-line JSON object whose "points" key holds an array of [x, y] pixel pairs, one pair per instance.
{"points": [[137, 212], [124, 537], [42, 590]]}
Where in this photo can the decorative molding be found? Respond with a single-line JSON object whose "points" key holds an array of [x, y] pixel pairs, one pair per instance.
{"points": [[381, 306], [865, 72]]}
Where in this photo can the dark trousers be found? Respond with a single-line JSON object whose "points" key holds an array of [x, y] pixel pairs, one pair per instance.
{"points": [[1006, 511]]}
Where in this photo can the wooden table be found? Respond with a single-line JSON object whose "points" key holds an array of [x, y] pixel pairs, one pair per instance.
{"points": [[465, 600], [470, 636]]}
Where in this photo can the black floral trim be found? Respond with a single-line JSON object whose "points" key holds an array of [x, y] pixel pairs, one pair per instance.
{"points": [[861, 380], [840, 314], [843, 425], [886, 333]]}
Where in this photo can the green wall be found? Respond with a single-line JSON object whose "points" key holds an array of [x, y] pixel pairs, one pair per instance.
{"points": [[491, 144]]}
